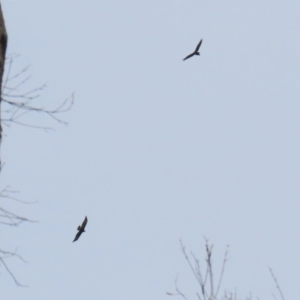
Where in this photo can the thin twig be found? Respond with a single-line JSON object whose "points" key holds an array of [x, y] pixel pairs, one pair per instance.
{"points": [[178, 290], [222, 272], [210, 271], [276, 282], [17, 103], [10, 273], [188, 260]]}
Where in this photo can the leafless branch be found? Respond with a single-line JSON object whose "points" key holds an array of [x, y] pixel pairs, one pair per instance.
{"points": [[178, 291], [223, 269], [198, 278], [277, 285], [7, 217], [210, 270], [7, 192], [10, 219], [3, 257], [17, 102], [205, 282]]}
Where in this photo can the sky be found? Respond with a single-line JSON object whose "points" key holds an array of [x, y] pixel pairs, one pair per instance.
{"points": [[156, 149]]}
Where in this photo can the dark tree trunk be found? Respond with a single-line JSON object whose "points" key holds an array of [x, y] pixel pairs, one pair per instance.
{"points": [[3, 44]]}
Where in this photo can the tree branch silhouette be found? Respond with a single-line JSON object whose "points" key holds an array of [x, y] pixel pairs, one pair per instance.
{"points": [[205, 279], [17, 102]]}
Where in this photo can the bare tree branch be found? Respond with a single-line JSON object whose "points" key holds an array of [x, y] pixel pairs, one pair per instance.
{"points": [[190, 264], [178, 291], [207, 283], [210, 270], [277, 285], [15, 103], [18, 102], [7, 217], [222, 272], [3, 257]]}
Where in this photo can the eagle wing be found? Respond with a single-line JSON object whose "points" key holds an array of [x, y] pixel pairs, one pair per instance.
{"points": [[77, 236], [198, 46], [190, 55], [84, 223]]}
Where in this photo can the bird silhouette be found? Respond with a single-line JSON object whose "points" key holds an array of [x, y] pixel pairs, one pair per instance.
{"points": [[196, 52], [80, 229]]}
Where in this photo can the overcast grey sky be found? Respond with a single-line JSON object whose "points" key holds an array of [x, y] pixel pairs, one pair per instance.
{"points": [[156, 149]]}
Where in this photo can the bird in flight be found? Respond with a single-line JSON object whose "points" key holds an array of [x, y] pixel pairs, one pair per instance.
{"points": [[196, 52], [80, 229]]}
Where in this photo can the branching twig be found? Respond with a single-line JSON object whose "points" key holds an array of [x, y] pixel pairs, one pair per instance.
{"points": [[7, 254], [17, 103], [198, 272], [210, 271], [207, 292], [11, 219], [189, 262], [7, 217], [178, 292]]}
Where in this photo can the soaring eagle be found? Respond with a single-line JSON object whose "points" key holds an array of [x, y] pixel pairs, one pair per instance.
{"points": [[81, 229], [196, 52]]}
